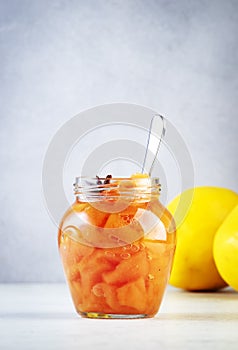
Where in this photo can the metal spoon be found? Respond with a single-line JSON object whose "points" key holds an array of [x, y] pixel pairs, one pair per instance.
{"points": [[157, 127]]}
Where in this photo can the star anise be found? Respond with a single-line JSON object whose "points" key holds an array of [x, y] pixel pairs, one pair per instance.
{"points": [[106, 181]]}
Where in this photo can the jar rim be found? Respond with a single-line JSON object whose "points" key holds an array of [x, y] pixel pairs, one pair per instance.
{"points": [[92, 187], [113, 178]]}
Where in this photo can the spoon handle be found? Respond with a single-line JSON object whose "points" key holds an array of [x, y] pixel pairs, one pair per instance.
{"points": [[157, 127]]}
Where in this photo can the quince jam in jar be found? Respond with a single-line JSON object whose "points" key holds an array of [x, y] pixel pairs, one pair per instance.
{"points": [[117, 243]]}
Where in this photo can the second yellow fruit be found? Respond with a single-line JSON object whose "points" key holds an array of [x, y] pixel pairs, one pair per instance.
{"points": [[225, 249]]}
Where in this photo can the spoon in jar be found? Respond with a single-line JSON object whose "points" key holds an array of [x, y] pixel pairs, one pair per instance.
{"points": [[157, 127]]}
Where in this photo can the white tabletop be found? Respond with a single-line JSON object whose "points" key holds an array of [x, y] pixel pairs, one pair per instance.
{"points": [[41, 316]]}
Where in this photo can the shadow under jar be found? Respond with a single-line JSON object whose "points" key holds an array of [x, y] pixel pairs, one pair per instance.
{"points": [[117, 243]]}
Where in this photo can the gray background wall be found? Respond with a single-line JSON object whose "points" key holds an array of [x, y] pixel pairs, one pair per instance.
{"points": [[60, 57]]}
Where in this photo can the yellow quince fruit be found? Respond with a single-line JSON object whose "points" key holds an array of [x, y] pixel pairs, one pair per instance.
{"points": [[194, 267]]}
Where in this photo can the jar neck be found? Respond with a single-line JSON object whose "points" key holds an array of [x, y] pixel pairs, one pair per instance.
{"points": [[100, 189]]}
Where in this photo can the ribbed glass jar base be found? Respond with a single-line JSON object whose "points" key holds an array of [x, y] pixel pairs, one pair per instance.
{"points": [[97, 315]]}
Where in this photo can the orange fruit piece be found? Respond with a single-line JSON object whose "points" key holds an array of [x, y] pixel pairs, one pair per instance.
{"points": [[129, 269], [133, 294], [94, 216]]}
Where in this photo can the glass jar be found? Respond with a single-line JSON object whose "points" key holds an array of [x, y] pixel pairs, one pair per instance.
{"points": [[117, 243]]}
